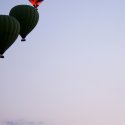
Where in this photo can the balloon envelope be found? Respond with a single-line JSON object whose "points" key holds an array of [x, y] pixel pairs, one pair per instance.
{"points": [[9, 31], [27, 16], [36, 3]]}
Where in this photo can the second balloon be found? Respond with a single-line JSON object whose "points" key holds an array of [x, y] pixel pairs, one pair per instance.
{"points": [[28, 18]]}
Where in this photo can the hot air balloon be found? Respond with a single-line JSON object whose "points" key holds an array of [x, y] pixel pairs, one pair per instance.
{"points": [[36, 3], [9, 31], [28, 18]]}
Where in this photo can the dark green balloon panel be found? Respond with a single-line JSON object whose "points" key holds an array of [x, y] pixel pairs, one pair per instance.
{"points": [[9, 31], [28, 17]]}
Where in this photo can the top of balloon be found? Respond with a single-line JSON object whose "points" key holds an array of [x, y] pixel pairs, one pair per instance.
{"points": [[36, 3]]}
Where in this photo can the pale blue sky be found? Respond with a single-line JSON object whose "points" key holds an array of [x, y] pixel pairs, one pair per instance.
{"points": [[71, 69]]}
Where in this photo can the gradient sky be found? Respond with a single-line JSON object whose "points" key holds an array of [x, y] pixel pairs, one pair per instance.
{"points": [[71, 69]]}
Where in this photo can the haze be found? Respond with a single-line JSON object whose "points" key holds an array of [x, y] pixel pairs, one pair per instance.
{"points": [[71, 69]]}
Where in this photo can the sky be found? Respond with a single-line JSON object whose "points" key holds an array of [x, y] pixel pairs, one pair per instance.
{"points": [[71, 69]]}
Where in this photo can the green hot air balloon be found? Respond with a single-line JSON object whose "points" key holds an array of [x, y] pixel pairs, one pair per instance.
{"points": [[28, 17], [9, 31]]}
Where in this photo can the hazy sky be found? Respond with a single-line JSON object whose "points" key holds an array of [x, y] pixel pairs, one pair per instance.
{"points": [[71, 69]]}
